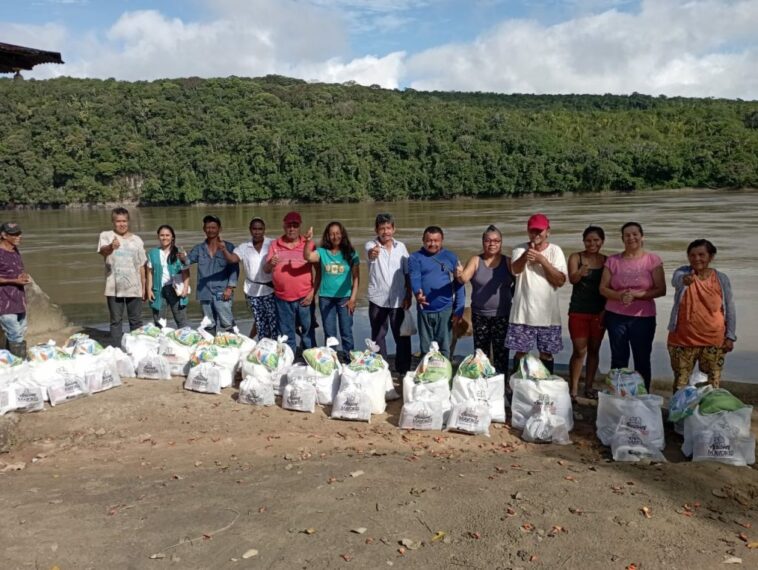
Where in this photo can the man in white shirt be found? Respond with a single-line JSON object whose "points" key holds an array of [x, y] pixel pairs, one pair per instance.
{"points": [[388, 292], [540, 270], [259, 291], [124, 255]]}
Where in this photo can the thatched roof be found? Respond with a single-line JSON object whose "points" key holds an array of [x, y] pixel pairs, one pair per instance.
{"points": [[13, 58]]}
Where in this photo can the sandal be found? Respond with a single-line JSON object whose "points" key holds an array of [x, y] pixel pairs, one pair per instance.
{"points": [[590, 394], [573, 399]]}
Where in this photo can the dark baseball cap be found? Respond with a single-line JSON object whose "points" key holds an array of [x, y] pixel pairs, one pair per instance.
{"points": [[11, 228]]}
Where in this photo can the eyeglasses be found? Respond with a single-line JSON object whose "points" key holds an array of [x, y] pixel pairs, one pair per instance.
{"points": [[492, 241], [292, 225]]}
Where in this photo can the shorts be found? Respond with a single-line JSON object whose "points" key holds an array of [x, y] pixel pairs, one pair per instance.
{"points": [[586, 325], [523, 338]]}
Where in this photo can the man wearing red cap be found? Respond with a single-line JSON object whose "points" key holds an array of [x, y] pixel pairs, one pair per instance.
{"points": [[293, 283], [540, 270]]}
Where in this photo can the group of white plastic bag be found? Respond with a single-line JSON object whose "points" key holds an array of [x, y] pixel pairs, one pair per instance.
{"points": [[354, 391], [59, 374], [714, 423], [475, 400]]}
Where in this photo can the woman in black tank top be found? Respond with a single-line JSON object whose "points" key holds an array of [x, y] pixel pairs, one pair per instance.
{"points": [[586, 310]]}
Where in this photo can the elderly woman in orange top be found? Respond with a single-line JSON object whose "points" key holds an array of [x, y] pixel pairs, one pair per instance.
{"points": [[703, 319]]}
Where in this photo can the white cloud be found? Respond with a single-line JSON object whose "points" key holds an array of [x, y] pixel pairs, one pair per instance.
{"points": [[698, 48], [675, 47]]}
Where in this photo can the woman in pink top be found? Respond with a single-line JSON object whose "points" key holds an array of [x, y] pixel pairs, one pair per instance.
{"points": [[631, 281]]}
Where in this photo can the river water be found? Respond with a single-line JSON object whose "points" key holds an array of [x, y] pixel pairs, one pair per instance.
{"points": [[59, 246]]}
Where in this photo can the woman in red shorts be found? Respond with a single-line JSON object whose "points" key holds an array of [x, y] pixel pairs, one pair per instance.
{"points": [[586, 310]]}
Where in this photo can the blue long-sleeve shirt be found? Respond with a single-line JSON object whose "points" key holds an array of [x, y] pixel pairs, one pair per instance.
{"points": [[214, 274], [435, 276]]}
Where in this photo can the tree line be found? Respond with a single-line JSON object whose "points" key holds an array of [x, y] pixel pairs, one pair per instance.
{"points": [[235, 140]]}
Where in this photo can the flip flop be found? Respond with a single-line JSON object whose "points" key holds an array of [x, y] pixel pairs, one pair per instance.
{"points": [[590, 394]]}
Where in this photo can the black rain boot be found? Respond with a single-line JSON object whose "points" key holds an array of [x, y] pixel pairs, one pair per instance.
{"points": [[18, 348], [549, 364]]}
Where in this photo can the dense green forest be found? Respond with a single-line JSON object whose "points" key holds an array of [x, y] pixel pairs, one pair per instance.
{"points": [[73, 141]]}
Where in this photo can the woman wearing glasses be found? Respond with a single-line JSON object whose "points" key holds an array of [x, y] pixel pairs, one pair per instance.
{"points": [[491, 296]]}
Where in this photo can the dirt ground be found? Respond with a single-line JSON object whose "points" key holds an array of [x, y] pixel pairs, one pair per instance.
{"points": [[149, 475]]}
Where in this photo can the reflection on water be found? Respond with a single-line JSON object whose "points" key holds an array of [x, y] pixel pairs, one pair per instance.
{"points": [[59, 247]]}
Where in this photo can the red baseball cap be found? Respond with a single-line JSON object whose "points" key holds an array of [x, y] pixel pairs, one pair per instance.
{"points": [[293, 218], [538, 222]]}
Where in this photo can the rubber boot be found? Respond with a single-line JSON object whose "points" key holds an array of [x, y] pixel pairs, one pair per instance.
{"points": [[18, 348], [549, 364]]}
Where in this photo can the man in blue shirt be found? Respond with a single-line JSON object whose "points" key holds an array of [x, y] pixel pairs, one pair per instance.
{"points": [[216, 277], [440, 298]]}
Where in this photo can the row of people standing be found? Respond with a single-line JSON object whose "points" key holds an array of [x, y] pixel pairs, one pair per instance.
{"points": [[514, 301]]}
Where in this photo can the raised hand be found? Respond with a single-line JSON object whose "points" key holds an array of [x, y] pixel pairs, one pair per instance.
{"points": [[689, 279], [309, 233], [220, 243], [115, 244], [374, 252], [458, 270]]}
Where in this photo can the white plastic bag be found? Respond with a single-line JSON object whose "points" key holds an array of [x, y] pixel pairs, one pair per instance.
{"points": [[732, 425], [300, 396], [642, 413], [490, 390], [256, 391], [352, 402], [630, 444], [429, 391], [177, 354], [721, 446], [138, 346], [154, 367], [205, 378], [408, 326], [421, 415], [21, 396], [124, 364], [67, 387], [101, 374], [530, 395], [374, 384], [471, 416], [546, 427]]}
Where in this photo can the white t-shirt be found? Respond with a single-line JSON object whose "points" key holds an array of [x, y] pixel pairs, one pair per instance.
{"points": [[535, 300], [257, 281], [122, 267], [386, 274], [165, 277]]}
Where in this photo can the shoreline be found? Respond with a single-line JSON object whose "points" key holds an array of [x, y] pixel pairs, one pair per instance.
{"points": [[285, 202]]}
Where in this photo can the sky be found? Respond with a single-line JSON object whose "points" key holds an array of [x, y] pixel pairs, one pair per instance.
{"points": [[700, 48]]}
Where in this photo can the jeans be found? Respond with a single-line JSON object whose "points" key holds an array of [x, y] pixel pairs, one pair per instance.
{"points": [[173, 301], [116, 306], [437, 327], [380, 318], [220, 314], [14, 326], [290, 315], [332, 312], [264, 315], [637, 332]]}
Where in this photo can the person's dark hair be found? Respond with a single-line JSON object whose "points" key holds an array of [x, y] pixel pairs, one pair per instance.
{"points": [[209, 219], [629, 225], [174, 250], [384, 218], [346, 248], [120, 211], [597, 230], [709, 247], [256, 219], [434, 230], [491, 230]]}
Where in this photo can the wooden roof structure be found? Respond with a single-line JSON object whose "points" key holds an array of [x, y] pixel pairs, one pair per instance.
{"points": [[15, 58]]}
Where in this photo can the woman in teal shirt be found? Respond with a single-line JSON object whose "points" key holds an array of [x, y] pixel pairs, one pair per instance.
{"points": [[338, 277], [167, 278]]}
